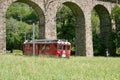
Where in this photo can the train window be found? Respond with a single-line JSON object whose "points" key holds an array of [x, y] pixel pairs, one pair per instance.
{"points": [[26, 46], [47, 47], [64, 47], [42, 47], [60, 46], [68, 47], [30, 46]]}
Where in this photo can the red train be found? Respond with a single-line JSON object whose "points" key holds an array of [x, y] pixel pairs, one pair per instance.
{"points": [[58, 48]]}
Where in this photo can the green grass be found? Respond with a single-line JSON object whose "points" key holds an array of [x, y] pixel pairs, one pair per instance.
{"points": [[16, 67]]}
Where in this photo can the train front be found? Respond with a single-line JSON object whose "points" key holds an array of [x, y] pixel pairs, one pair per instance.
{"points": [[64, 48]]}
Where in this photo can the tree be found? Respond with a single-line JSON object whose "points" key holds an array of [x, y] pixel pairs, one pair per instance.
{"points": [[19, 19], [22, 12], [116, 18]]}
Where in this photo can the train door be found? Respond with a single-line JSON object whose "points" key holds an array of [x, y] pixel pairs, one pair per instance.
{"points": [[64, 50], [48, 49], [59, 49], [68, 50]]}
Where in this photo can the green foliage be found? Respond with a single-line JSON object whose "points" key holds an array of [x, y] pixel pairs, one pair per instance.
{"points": [[95, 23], [17, 10], [22, 12], [116, 13], [118, 51], [116, 17], [19, 23], [65, 23], [15, 31]]}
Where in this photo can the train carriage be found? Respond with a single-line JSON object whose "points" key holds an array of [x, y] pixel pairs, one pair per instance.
{"points": [[58, 48]]}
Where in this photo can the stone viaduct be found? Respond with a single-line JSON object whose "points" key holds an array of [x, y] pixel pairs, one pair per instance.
{"points": [[46, 11]]}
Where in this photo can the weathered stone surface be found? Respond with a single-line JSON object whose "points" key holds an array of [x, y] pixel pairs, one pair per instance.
{"points": [[47, 9]]}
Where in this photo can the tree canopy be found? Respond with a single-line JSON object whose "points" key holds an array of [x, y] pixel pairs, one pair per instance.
{"points": [[19, 18]]}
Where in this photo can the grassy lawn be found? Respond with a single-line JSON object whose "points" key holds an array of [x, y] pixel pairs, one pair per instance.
{"points": [[15, 67]]}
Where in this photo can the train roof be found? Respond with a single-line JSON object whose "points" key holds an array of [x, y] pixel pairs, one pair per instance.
{"points": [[50, 40], [46, 41]]}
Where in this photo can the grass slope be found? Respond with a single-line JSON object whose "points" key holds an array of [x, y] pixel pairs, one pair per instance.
{"points": [[14, 67]]}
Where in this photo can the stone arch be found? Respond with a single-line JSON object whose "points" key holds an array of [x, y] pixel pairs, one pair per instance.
{"points": [[105, 28], [5, 5], [79, 29]]}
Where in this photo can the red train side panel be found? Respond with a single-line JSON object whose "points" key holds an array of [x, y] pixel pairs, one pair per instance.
{"points": [[58, 48]]}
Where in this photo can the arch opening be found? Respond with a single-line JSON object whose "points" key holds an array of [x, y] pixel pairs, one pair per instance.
{"points": [[102, 38], [23, 22], [78, 28]]}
